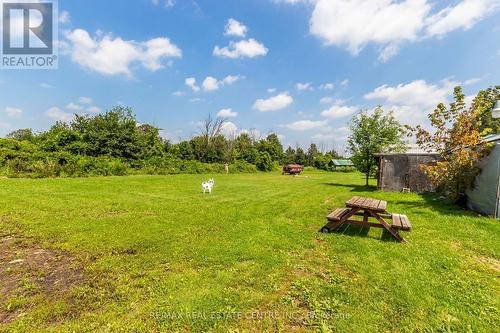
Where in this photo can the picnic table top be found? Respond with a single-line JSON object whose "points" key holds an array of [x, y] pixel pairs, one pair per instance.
{"points": [[367, 203]]}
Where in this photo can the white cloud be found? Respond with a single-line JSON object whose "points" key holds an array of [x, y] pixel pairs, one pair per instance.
{"points": [[461, 16], [64, 17], [230, 79], [388, 52], [339, 135], [304, 125], [416, 93], [191, 83], [229, 129], [13, 112], [243, 49], [73, 107], [412, 102], [339, 111], [195, 100], [274, 103], [304, 86], [178, 93], [353, 24], [472, 81], [93, 109], [235, 28], [210, 84], [344, 83], [110, 55], [326, 100], [85, 100], [168, 3], [273, 90], [46, 85], [55, 113], [389, 23], [254, 133], [227, 113], [327, 86]]}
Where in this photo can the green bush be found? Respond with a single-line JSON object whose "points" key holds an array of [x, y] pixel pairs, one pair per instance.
{"points": [[264, 162], [242, 167]]}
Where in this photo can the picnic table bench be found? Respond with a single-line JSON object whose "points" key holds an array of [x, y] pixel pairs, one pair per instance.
{"points": [[368, 208]]}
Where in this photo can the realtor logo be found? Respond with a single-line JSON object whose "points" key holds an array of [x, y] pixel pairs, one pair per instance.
{"points": [[29, 31]]}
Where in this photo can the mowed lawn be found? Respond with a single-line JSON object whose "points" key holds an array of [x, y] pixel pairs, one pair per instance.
{"points": [[152, 253]]}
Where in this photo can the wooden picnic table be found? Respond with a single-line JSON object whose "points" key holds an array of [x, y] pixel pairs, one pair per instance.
{"points": [[368, 208]]}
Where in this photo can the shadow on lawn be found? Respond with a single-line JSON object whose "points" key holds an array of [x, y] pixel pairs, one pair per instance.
{"points": [[435, 201], [354, 188], [358, 231]]}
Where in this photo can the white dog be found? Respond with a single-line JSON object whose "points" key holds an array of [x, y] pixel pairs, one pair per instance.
{"points": [[208, 185]]}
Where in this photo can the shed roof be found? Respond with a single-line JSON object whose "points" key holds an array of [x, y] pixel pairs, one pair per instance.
{"points": [[342, 162], [412, 149], [492, 137]]}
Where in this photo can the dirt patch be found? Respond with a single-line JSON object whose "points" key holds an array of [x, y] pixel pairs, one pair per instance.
{"points": [[492, 263], [27, 269]]}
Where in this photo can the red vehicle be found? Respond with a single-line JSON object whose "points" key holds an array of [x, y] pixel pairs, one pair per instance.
{"points": [[293, 169]]}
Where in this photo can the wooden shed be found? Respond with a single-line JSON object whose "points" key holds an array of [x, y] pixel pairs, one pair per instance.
{"points": [[399, 172]]}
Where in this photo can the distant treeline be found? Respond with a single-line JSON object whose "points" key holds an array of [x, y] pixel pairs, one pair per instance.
{"points": [[113, 143]]}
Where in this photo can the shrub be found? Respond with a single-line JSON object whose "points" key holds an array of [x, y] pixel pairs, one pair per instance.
{"points": [[243, 167], [264, 162]]}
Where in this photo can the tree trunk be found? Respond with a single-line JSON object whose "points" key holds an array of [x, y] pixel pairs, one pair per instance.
{"points": [[367, 176]]}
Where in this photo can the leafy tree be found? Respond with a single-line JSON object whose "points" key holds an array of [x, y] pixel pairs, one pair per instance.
{"points": [[312, 153], [372, 134], [210, 146], [289, 156], [458, 138], [24, 134], [264, 161], [185, 150], [484, 103], [149, 140], [272, 145], [61, 137], [113, 133], [300, 156], [246, 149]]}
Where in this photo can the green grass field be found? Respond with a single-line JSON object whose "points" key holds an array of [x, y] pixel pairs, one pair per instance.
{"points": [[152, 253]]}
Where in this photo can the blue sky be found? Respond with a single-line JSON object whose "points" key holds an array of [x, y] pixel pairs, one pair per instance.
{"points": [[300, 68]]}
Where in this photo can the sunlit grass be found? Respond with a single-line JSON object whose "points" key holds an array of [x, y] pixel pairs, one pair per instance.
{"points": [[160, 255]]}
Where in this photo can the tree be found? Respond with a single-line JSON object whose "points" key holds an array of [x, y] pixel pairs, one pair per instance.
{"points": [[185, 150], [485, 102], [113, 133], [149, 140], [264, 162], [272, 145], [289, 156], [24, 134], [245, 148], [61, 137], [211, 147], [300, 156], [372, 134], [312, 153], [458, 138]]}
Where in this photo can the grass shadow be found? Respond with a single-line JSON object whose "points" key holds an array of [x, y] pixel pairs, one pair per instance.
{"points": [[436, 201], [354, 188], [358, 231]]}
